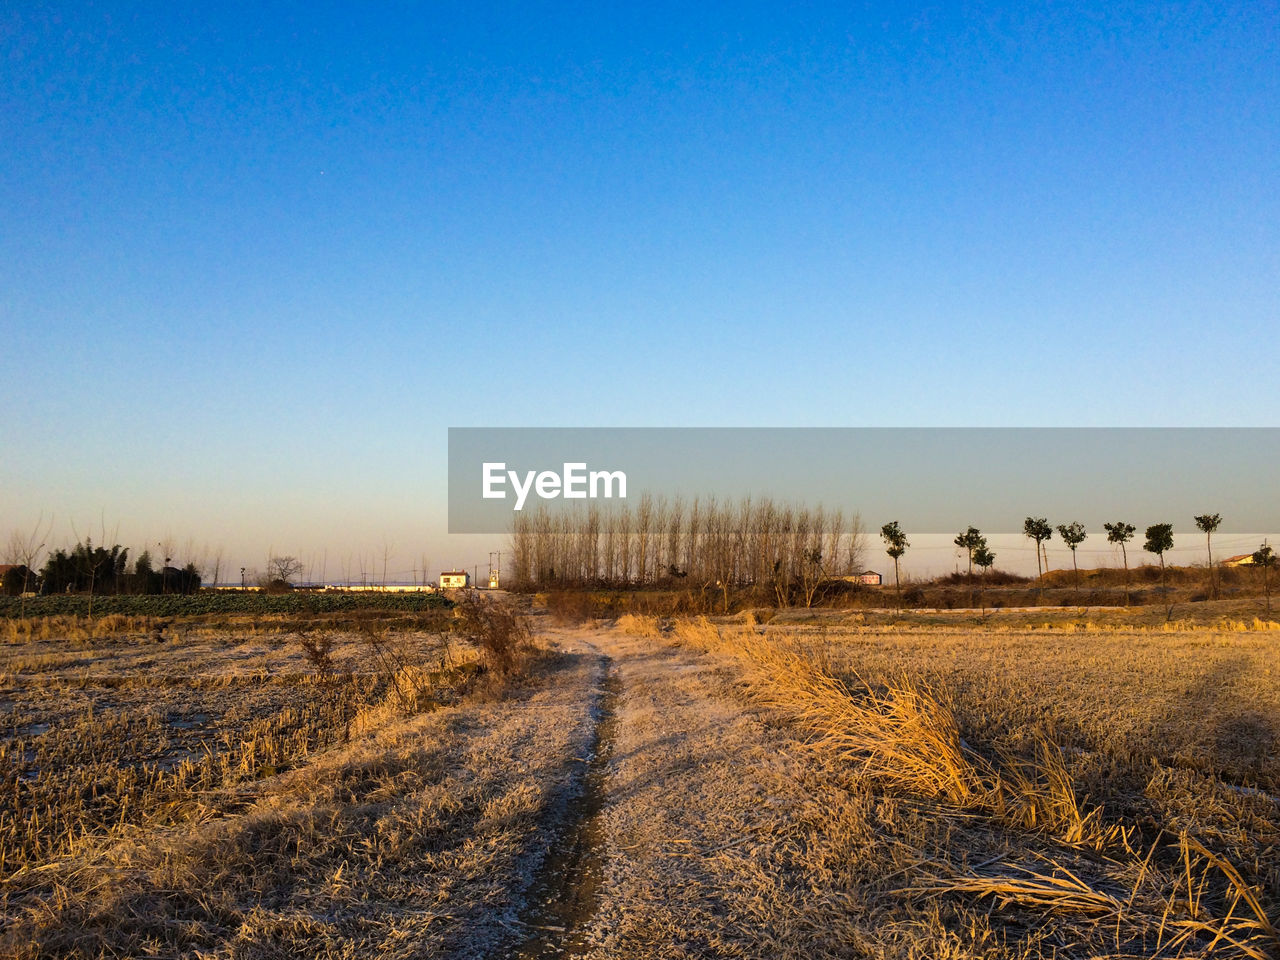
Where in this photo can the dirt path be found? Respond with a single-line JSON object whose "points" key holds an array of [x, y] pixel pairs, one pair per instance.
{"points": [[700, 833], [566, 891]]}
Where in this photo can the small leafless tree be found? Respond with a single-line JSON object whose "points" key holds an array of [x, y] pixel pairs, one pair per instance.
{"points": [[811, 574], [24, 549], [217, 565], [283, 569]]}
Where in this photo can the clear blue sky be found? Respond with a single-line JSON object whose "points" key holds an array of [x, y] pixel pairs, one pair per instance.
{"points": [[255, 259]]}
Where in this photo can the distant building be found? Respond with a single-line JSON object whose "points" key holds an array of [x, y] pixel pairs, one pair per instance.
{"points": [[455, 580], [868, 578], [1239, 560]]}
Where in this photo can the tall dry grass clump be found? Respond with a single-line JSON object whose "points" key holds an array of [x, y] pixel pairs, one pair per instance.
{"points": [[1040, 793], [901, 734], [698, 633], [640, 625], [1201, 907]]}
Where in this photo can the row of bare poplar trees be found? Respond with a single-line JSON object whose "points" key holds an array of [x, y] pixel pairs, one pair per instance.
{"points": [[727, 544]]}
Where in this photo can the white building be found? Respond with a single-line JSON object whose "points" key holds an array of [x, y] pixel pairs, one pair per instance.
{"points": [[455, 580]]}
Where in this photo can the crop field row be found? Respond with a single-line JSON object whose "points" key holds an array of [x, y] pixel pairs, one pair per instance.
{"points": [[211, 602]]}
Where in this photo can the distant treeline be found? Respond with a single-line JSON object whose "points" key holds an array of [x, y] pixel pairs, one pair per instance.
{"points": [[785, 552], [100, 570]]}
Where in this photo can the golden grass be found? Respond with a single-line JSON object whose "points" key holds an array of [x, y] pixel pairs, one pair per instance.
{"points": [[227, 795], [100, 746], [905, 735], [640, 625], [69, 628]]}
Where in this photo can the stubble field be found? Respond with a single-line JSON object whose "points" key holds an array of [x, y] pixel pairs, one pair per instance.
{"points": [[810, 786]]}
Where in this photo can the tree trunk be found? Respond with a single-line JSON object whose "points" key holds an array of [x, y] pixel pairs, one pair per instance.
{"points": [[1125, 554], [1164, 588], [1213, 580]]}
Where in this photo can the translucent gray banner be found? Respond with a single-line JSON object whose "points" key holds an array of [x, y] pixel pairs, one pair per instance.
{"points": [[929, 480]]}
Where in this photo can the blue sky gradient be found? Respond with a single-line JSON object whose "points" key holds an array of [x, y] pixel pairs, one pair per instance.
{"points": [[255, 259]]}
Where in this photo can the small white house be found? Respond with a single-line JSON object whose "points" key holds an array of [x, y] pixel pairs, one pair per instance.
{"points": [[455, 580]]}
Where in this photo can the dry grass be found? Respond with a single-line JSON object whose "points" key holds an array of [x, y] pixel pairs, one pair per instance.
{"points": [[497, 630], [325, 792], [66, 628], [106, 741], [640, 625], [899, 792], [902, 720]]}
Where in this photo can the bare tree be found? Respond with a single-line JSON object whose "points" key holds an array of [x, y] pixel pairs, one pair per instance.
{"points": [[675, 518], [644, 523], [217, 565], [386, 553], [283, 569], [726, 545], [811, 574], [25, 549]]}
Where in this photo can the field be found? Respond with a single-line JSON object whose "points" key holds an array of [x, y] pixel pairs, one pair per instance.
{"points": [[769, 784], [1118, 784], [214, 603]]}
